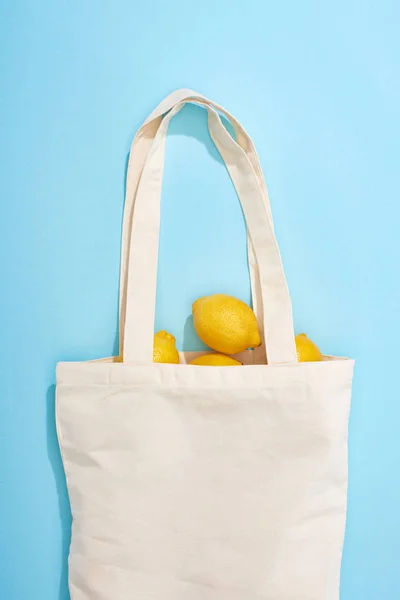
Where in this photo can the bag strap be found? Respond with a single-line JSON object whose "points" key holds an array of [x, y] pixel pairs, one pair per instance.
{"points": [[138, 153], [141, 229]]}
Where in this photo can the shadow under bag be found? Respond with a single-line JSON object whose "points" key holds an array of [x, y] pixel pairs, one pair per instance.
{"points": [[204, 483]]}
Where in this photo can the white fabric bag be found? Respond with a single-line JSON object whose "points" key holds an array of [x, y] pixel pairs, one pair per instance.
{"points": [[204, 483]]}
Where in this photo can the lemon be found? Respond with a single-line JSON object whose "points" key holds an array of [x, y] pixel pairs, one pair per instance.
{"points": [[225, 323], [216, 360], [164, 349], [307, 351]]}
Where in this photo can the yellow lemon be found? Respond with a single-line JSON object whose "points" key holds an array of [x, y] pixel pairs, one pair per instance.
{"points": [[307, 351], [226, 324], [216, 360], [164, 349]]}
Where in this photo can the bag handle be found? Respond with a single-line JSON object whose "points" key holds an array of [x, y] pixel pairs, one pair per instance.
{"points": [[138, 153], [141, 229]]}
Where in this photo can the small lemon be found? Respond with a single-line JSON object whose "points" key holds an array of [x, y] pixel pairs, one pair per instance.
{"points": [[225, 324], [164, 349], [216, 360], [307, 351]]}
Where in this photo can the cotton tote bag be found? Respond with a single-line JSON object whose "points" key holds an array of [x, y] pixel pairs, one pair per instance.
{"points": [[204, 483]]}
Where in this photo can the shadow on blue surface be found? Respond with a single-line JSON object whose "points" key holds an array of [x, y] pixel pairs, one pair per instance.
{"points": [[192, 122]]}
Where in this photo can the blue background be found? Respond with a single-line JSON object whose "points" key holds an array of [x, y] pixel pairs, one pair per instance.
{"points": [[317, 86]]}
